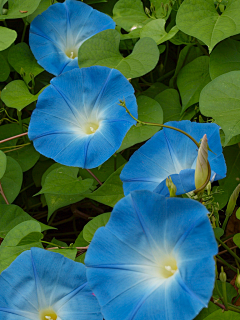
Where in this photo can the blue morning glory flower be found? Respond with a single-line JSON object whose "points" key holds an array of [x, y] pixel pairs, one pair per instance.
{"points": [[171, 153], [43, 285], [78, 120], [57, 33], [153, 259]]}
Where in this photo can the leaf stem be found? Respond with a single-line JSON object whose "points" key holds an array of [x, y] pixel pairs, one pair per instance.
{"points": [[3, 194], [228, 249], [14, 137], [93, 175]]}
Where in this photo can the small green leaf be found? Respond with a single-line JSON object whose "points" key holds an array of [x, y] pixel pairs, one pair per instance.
{"points": [[12, 215], [149, 110], [80, 241], [64, 181], [130, 14], [55, 201], [103, 49], [192, 79], [81, 258], [20, 8], [200, 19], [220, 99], [7, 37], [236, 239], [3, 163], [91, 227], [22, 60], [10, 248], [155, 29], [16, 95], [169, 100], [4, 68], [231, 292], [238, 213], [218, 232], [162, 8], [11, 180], [220, 315], [110, 192]]}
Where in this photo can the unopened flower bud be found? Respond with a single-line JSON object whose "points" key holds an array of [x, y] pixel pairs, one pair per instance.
{"points": [[232, 201], [201, 172], [237, 281], [222, 275], [171, 187]]}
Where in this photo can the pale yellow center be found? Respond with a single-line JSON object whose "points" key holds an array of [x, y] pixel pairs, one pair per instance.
{"points": [[48, 314], [91, 127], [71, 53], [168, 267]]}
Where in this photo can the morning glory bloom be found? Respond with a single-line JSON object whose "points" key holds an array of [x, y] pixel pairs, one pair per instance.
{"points": [[171, 153], [43, 285], [78, 120], [57, 33], [153, 259]]}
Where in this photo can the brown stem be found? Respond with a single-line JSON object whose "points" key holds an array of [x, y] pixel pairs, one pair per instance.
{"points": [[14, 137], [93, 175], [78, 248], [78, 213], [224, 251], [3, 195]]}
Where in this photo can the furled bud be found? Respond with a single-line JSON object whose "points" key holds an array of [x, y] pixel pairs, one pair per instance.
{"points": [[171, 187], [232, 201], [201, 172], [237, 280], [222, 275]]}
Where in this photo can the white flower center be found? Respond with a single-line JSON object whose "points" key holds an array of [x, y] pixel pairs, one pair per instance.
{"points": [[48, 314], [71, 52], [91, 127], [168, 267]]}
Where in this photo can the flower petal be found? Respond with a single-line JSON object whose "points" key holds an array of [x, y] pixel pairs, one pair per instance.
{"points": [[74, 101], [171, 153], [60, 30]]}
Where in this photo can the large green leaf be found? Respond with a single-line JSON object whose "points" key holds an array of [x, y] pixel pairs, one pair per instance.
{"points": [[149, 110], [11, 180], [20, 8], [3, 163], [232, 157], [105, 170], [220, 99], [64, 181], [7, 131], [192, 79], [16, 95], [155, 29], [200, 19], [44, 4], [111, 191], [4, 68], [130, 14], [7, 37], [225, 58], [206, 311], [103, 49], [170, 102], [91, 227], [22, 60], [220, 315], [11, 246], [12, 215], [26, 157]]}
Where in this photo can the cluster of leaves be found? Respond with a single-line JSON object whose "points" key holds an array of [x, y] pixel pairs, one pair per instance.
{"points": [[183, 59]]}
